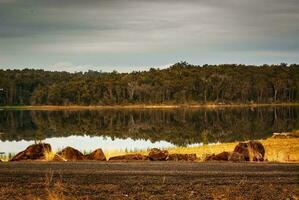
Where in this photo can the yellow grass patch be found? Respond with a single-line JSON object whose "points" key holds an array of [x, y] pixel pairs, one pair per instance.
{"points": [[49, 156], [282, 150], [277, 150], [112, 153]]}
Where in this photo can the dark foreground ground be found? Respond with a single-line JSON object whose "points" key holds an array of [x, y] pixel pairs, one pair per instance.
{"points": [[148, 180]]}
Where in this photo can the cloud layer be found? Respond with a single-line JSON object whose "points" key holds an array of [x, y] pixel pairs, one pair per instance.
{"points": [[134, 34]]}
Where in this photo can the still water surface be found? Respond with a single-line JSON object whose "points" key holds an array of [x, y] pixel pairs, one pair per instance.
{"points": [[123, 129]]}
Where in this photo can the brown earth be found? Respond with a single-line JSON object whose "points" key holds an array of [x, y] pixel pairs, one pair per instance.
{"points": [[148, 180]]}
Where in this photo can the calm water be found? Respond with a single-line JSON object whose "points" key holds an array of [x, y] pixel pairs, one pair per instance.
{"points": [[141, 128]]}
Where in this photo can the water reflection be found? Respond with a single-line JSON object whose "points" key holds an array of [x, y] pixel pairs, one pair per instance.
{"points": [[177, 126]]}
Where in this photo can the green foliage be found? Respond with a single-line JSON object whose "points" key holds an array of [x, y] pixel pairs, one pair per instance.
{"points": [[181, 83]]}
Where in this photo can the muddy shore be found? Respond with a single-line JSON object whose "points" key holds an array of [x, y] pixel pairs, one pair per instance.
{"points": [[148, 180]]}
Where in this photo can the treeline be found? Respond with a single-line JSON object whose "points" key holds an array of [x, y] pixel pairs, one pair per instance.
{"points": [[180, 83]]}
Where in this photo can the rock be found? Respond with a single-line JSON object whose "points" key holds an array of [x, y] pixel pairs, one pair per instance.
{"points": [[257, 151], [58, 158], [252, 150], [223, 156], [33, 152], [71, 154], [156, 154], [236, 157], [286, 135], [209, 157], [96, 155], [242, 148], [129, 157], [182, 157], [283, 135]]}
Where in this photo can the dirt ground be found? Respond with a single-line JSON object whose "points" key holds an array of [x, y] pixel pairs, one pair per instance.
{"points": [[148, 180]]}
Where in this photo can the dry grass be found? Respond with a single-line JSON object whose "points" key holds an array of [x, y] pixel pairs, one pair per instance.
{"points": [[282, 150], [6, 157], [202, 151], [277, 150], [112, 153], [54, 188], [49, 156]]}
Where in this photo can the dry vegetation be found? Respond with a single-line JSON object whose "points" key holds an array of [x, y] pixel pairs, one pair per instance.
{"points": [[277, 150]]}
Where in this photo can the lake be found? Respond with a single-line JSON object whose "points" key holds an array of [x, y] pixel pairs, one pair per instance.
{"points": [[135, 129]]}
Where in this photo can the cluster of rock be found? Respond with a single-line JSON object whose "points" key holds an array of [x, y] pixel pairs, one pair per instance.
{"points": [[156, 154], [244, 151], [39, 152]]}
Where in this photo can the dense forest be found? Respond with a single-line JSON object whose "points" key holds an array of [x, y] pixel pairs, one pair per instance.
{"points": [[180, 83]]}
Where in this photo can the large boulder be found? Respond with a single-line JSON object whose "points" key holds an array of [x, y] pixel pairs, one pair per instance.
{"points": [[182, 157], [223, 156], [156, 154], [97, 154], [71, 154], [129, 157], [33, 152], [252, 150]]}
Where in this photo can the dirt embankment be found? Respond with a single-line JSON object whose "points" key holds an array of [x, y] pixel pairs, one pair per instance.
{"points": [[148, 180]]}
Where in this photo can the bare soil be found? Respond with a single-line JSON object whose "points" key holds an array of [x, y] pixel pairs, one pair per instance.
{"points": [[148, 180]]}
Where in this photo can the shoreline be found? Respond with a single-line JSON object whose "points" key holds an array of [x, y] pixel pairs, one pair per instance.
{"points": [[278, 150], [143, 106]]}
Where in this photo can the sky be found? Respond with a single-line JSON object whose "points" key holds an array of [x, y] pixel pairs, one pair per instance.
{"points": [[127, 35]]}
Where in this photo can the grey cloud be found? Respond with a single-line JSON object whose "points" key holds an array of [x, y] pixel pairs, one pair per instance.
{"points": [[148, 27]]}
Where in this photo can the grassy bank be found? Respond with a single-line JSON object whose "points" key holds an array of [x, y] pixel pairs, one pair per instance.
{"points": [[142, 106], [277, 150]]}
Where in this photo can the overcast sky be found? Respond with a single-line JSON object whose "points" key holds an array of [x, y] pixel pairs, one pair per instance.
{"points": [[128, 35]]}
